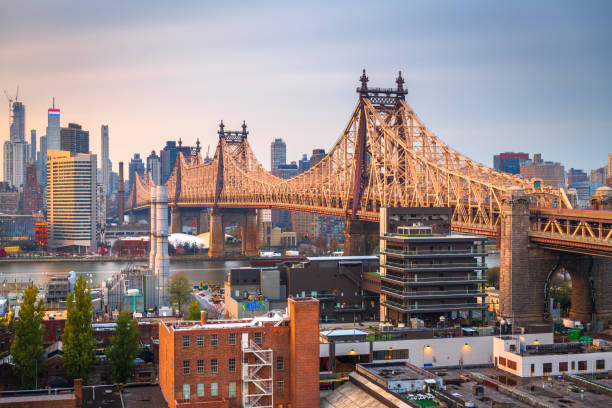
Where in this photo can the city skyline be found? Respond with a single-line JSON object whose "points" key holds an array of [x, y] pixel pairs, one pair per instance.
{"points": [[296, 77]]}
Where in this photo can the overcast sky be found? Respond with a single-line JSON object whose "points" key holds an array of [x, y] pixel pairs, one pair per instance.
{"points": [[486, 77]]}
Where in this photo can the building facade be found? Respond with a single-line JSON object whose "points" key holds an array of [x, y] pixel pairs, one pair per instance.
{"points": [[154, 167], [278, 154], [428, 275], [509, 162], [264, 361], [551, 173], [72, 200], [106, 163], [32, 194], [136, 166], [9, 198], [74, 139], [168, 157]]}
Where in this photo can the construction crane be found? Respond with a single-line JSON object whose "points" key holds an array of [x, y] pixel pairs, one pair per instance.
{"points": [[10, 101]]}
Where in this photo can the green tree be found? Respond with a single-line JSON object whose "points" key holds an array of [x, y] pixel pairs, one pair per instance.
{"points": [[27, 347], [194, 311], [79, 343], [123, 348], [180, 290], [493, 277]]}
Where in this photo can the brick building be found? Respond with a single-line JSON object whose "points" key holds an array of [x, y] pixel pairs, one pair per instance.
{"points": [[32, 194], [217, 364]]}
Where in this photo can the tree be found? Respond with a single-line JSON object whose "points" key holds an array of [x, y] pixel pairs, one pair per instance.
{"points": [[79, 343], [493, 277], [123, 348], [194, 311], [27, 347], [180, 290]]}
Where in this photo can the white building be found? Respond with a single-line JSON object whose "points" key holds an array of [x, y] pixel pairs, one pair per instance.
{"points": [[72, 209], [15, 159], [529, 357], [53, 128]]}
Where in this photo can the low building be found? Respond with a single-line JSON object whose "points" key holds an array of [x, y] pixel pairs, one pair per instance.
{"points": [[533, 358], [9, 198], [18, 229], [131, 289], [234, 363]]}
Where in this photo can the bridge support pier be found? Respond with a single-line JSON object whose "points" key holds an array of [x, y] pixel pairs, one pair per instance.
{"points": [[216, 236], [248, 224], [360, 237], [176, 222]]}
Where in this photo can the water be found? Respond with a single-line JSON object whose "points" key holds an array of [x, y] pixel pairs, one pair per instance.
{"points": [[97, 272]]}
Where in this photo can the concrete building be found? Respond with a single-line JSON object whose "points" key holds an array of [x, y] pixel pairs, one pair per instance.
{"points": [[74, 139], [576, 176], [32, 194], [9, 198], [303, 164], [41, 163], [286, 171], [428, 275], [509, 162], [168, 157], [71, 200], [54, 141], [136, 166], [278, 154], [551, 173], [15, 156], [536, 358], [154, 167], [317, 155], [16, 229], [598, 176], [264, 361], [106, 163], [33, 145], [609, 165]]}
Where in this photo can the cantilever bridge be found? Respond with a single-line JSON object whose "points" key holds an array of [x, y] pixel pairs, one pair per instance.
{"points": [[385, 157]]}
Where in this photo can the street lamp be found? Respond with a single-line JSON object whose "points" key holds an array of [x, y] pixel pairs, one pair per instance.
{"points": [[352, 352], [389, 355], [426, 349]]}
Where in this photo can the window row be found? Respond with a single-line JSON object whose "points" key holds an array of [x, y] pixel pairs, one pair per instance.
{"points": [[213, 390], [214, 365], [214, 339]]}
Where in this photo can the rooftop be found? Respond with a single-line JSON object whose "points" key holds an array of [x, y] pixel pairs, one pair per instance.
{"points": [[395, 371]]}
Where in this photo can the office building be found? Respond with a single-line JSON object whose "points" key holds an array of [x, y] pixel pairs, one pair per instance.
{"points": [[17, 130], [100, 212], [263, 361], [136, 166], [106, 163], [310, 227], [317, 155], [41, 163], [303, 164], [154, 167], [9, 198], [286, 171], [54, 141], [598, 176], [33, 145], [278, 154], [74, 139], [16, 229], [609, 165], [551, 173], [32, 194], [509, 162], [168, 157], [71, 200], [429, 275], [576, 176], [15, 159]]}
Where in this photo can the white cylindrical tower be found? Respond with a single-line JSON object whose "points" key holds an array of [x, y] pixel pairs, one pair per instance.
{"points": [[162, 261], [152, 240]]}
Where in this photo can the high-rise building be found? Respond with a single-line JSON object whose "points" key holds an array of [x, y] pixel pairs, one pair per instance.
{"points": [[168, 157], [106, 163], [576, 176], [54, 141], [509, 162], [609, 165], [286, 171], [42, 161], [33, 144], [317, 155], [100, 212], [598, 176], [16, 149], [551, 173], [303, 164], [71, 200], [74, 139], [136, 166], [17, 132], [154, 167], [9, 198], [278, 154], [32, 195]]}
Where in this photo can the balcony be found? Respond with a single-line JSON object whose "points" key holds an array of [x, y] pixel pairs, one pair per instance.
{"points": [[438, 280], [432, 294], [349, 308], [435, 267], [442, 307], [324, 295], [441, 253]]}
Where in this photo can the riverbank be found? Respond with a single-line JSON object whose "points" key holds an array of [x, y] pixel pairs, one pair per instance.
{"points": [[41, 259]]}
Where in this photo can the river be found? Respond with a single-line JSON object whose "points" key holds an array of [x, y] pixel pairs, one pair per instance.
{"points": [[96, 272]]}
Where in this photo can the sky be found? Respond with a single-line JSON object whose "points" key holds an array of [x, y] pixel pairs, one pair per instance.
{"points": [[486, 77]]}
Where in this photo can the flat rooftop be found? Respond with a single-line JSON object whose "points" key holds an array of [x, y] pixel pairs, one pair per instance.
{"points": [[342, 258], [227, 324], [436, 237], [396, 371]]}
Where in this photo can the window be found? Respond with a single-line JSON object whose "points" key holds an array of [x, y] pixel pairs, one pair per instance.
{"points": [[231, 339], [185, 341], [213, 340], [512, 365], [214, 366], [401, 354], [200, 366], [600, 364], [573, 365], [257, 338], [214, 389], [186, 392], [280, 363], [200, 340], [232, 389], [563, 367], [582, 366], [502, 361], [185, 367], [232, 365], [547, 368], [280, 387], [200, 388]]}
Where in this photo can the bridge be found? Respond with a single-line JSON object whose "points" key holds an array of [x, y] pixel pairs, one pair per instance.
{"points": [[386, 157]]}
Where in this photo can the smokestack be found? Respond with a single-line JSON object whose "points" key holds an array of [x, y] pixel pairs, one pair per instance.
{"points": [[153, 239], [162, 261], [120, 195]]}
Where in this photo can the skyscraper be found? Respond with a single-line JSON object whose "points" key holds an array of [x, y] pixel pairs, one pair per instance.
{"points": [[168, 157], [16, 150], [18, 123], [106, 163], [32, 195], [33, 144], [74, 139], [53, 129], [136, 166], [42, 161], [72, 210], [154, 167], [278, 154]]}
